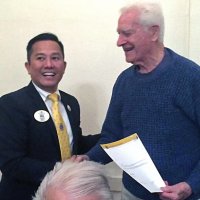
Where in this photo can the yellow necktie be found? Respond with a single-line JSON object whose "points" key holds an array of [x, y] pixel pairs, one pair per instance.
{"points": [[60, 128]]}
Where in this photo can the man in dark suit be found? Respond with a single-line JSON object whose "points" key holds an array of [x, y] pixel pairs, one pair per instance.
{"points": [[29, 145]]}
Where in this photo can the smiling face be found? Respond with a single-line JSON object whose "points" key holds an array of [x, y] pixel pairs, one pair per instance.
{"points": [[135, 39], [46, 66]]}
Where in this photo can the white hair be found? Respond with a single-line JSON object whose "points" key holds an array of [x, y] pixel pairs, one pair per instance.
{"points": [[77, 179], [150, 14]]}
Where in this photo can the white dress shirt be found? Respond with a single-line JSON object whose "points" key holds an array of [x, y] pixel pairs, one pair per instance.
{"points": [[48, 102]]}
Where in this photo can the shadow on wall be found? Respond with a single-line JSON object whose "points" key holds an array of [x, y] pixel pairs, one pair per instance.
{"points": [[94, 99], [93, 103]]}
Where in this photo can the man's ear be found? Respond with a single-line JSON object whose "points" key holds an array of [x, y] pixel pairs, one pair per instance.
{"points": [[27, 65], [65, 65], [155, 32]]}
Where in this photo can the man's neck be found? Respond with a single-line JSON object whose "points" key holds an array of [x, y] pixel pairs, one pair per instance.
{"points": [[152, 61]]}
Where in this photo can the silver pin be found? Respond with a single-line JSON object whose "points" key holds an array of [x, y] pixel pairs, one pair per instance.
{"points": [[69, 108]]}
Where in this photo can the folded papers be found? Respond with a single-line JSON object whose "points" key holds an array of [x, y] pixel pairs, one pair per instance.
{"points": [[132, 157]]}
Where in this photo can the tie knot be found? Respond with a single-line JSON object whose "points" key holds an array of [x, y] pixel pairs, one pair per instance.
{"points": [[53, 97]]}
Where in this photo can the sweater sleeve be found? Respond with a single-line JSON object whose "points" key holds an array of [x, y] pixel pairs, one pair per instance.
{"points": [[112, 127], [188, 101]]}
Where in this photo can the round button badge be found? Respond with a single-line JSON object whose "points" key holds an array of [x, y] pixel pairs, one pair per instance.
{"points": [[41, 115]]}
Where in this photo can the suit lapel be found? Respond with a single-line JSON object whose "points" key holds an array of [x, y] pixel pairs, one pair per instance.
{"points": [[38, 104], [68, 107]]}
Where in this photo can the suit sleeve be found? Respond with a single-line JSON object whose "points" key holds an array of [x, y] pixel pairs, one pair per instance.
{"points": [[112, 129]]}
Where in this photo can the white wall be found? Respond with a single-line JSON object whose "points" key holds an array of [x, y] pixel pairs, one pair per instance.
{"points": [[88, 30], [194, 44]]}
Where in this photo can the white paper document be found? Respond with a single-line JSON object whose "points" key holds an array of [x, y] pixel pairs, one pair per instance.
{"points": [[131, 156]]}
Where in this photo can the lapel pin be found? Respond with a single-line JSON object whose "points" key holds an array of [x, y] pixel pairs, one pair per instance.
{"points": [[69, 108]]}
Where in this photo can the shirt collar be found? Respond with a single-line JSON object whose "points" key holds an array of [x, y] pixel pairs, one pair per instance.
{"points": [[44, 94]]}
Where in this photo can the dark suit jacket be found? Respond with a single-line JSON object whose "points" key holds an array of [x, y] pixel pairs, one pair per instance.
{"points": [[29, 148]]}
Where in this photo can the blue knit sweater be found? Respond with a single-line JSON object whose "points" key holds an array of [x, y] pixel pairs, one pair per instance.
{"points": [[163, 108]]}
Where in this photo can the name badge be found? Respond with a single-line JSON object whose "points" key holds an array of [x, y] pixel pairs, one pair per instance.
{"points": [[41, 115]]}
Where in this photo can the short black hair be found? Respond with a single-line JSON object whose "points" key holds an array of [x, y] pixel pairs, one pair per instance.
{"points": [[42, 37]]}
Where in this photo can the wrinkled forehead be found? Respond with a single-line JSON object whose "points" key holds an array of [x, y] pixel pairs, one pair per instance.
{"points": [[128, 20], [130, 16]]}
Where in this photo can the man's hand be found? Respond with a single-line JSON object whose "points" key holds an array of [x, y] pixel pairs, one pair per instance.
{"points": [[179, 191]]}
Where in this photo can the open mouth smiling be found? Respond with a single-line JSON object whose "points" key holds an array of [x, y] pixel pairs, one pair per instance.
{"points": [[49, 74], [128, 48]]}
